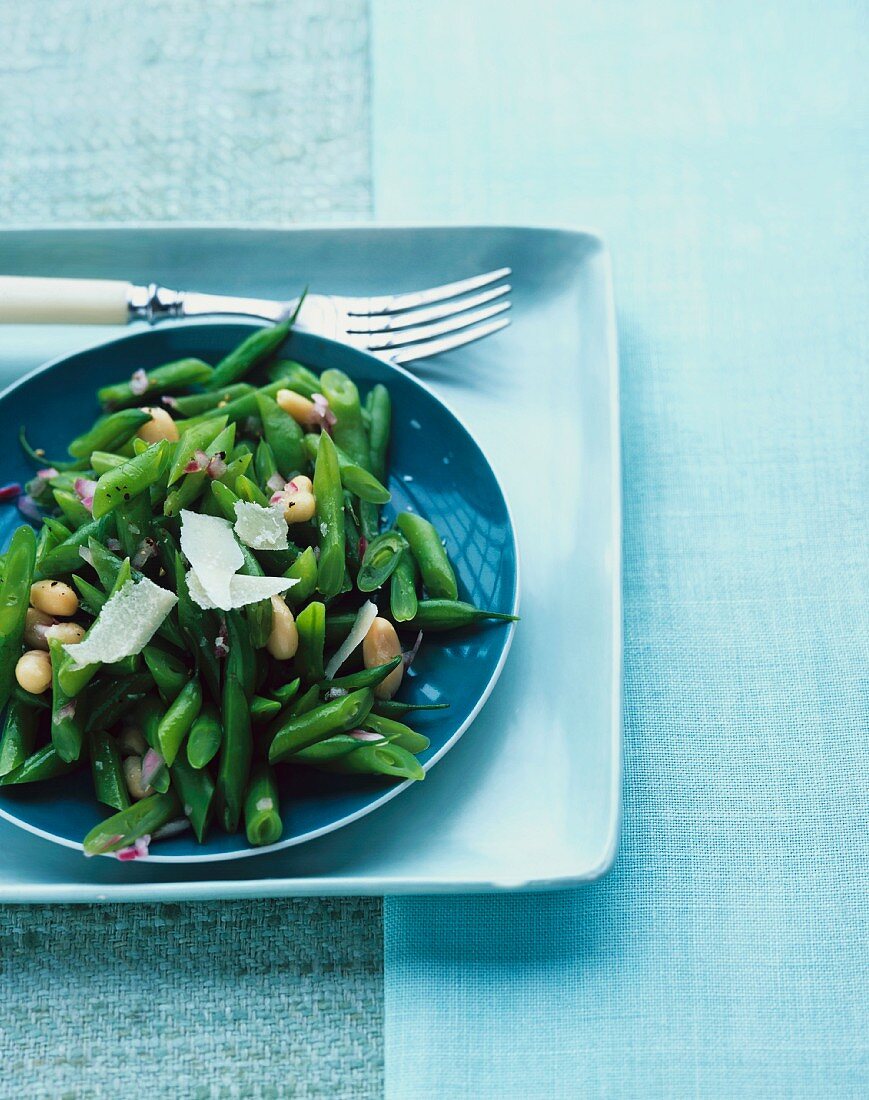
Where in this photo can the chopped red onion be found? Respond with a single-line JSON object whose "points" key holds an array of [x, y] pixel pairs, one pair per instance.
{"points": [[138, 850], [221, 646], [365, 735], [12, 491], [152, 762], [113, 545], [139, 382], [411, 653], [363, 546], [146, 550], [276, 498], [325, 417], [27, 506], [170, 401], [197, 464], [48, 473], [66, 711], [276, 484], [84, 490], [85, 553], [216, 465]]}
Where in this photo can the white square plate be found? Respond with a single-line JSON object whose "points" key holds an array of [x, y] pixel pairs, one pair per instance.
{"points": [[530, 797]]}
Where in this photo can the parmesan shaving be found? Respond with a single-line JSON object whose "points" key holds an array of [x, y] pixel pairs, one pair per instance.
{"points": [[242, 590], [209, 545], [261, 528], [127, 622], [366, 616]]}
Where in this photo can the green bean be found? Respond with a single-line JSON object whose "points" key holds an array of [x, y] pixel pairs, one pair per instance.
{"points": [[431, 557], [440, 615], [205, 737], [378, 759], [240, 661], [195, 404], [59, 532], [170, 674], [195, 789], [105, 460], [392, 708], [111, 700], [283, 435], [324, 752], [235, 753], [72, 677], [330, 519], [176, 722], [133, 519], [19, 735], [337, 716], [66, 725], [353, 541], [235, 470], [354, 478], [397, 733], [365, 677], [194, 439], [290, 375], [403, 601], [110, 787], [44, 764], [287, 692], [14, 601], [227, 499], [379, 408], [66, 557], [349, 433], [196, 627], [192, 484], [264, 463], [109, 433], [45, 543], [135, 476], [258, 347], [262, 815], [141, 819], [302, 705], [29, 699], [381, 558], [311, 626], [262, 709], [249, 491], [303, 569], [338, 625], [259, 615], [37, 456], [171, 376], [72, 507]]}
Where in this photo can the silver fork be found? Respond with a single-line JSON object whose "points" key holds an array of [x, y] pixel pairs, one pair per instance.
{"points": [[397, 327]]}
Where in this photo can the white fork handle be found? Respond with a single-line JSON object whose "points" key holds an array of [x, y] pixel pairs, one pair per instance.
{"points": [[25, 300]]}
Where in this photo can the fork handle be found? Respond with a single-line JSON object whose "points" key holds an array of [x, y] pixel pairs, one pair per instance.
{"points": [[26, 300]]}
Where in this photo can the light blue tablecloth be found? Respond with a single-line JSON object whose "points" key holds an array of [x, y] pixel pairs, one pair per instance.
{"points": [[721, 149]]}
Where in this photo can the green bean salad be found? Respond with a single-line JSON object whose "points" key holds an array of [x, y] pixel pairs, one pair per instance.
{"points": [[194, 600]]}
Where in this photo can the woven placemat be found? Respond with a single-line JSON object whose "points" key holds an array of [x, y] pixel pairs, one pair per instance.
{"points": [[246, 112]]}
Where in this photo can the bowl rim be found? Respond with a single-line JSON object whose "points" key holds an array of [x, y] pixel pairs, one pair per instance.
{"points": [[391, 792]]}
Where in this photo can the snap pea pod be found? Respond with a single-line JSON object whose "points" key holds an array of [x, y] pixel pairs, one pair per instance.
{"points": [[403, 600], [194, 439], [262, 818], [290, 375], [28, 698], [235, 753], [365, 677], [337, 716], [72, 677], [392, 708], [303, 569], [171, 376], [44, 764], [176, 722], [66, 557], [287, 692], [324, 752], [338, 625], [440, 615], [141, 819], [109, 433], [102, 461], [37, 456], [59, 532], [355, 479], [137, 475], [283, 435], [330, 519], [377, 759], [195, 790], [264, 463], [311, 626], [72, 507], [240, 662], [259, 615], [263, 709], [150, 715], [45, 542], [396, 733], [350, 434], [198, 630], [205, 737], [110, 700], [110, 787], [169, 672], [195, 404], [304, 703], [19, 735], [379, 406], [188, 490], [67, 730], [382, 556], [14, 601], [353, 541], [133, 518], [431, 557], [249, 491], [258, 347]]}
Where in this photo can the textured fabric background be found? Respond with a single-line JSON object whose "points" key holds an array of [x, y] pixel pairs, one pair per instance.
{"points": [[253, 111], [721, 149]]}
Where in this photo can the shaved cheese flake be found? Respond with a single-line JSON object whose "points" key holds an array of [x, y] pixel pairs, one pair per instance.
{"points": [[366, 616], [261, 528], [209, 545], [242, 590], [127, 622]]}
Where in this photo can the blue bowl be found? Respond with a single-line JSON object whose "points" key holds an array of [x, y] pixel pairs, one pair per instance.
{"points": [[436, 468]]}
